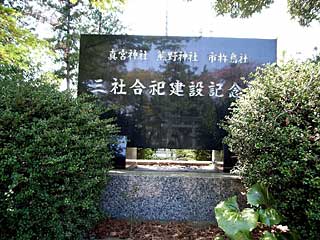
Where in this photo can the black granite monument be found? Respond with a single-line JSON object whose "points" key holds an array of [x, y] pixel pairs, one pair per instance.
{"points": [[170, 92]]}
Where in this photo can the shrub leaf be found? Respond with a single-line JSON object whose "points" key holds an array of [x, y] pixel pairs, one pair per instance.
{"points": [[269, 216], [258, 195], [235, 224]]}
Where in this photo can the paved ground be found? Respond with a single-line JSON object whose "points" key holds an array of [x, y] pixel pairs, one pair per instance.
{"points": [[171, 165]]}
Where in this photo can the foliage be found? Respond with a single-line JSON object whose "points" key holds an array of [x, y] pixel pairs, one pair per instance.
{"points": [[68, 20], [101, 4], [234, 223], [185, 154], [181, 154], [304, 11], [238, 8], [54, 159], [193, 154], [239, 225], [10, 71], [203, 155], [146, 153], [274, 131], [15, 41], [73, 19], [20, 50]]}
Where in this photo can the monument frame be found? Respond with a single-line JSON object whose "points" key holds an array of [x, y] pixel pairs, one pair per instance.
{"points": [[170, 92]]}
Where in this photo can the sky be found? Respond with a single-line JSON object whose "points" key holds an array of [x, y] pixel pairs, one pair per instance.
{"points": [[197, 18]]}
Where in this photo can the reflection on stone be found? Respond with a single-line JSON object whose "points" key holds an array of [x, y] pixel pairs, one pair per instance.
{"points": [[171, 92]]}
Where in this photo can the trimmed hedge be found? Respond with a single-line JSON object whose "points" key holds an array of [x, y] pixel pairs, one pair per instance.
{"points": [[275, 132], [54, 152]]}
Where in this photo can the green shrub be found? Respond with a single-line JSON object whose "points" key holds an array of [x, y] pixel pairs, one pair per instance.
{"points": [[54, 159], [274, 131], [185, 154], [203, 155], [146, 153]]}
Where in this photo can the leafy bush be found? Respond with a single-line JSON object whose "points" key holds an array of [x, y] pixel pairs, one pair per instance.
{"points": [[274, 131], [54, 159], [193, 154], [146, 153], [263, 217]]}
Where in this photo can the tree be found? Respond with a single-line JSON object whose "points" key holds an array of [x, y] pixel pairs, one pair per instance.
{"points": [[304, 11], [68, 19], [74, 18], [17, 46], [16, 42]]}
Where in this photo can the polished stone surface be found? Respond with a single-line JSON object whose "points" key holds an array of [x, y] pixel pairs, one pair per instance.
{"points": [[169, 92], [167, 196]]}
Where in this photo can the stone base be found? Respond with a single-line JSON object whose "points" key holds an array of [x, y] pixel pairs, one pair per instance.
{"points": [[168, 196]]}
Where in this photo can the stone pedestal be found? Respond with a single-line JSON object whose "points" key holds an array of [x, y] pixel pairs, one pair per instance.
{"points": [[168, 196], [132, 153], [217, 159]]}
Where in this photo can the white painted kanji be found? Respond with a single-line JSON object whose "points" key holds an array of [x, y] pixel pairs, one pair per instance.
{"points": [[143, 55], [213, 57], [196, 89], [233, 58], [181, 56], [137, 87], [243, 58], [118, 87], [174, 56], [161, 56], [234, 90], [112, 55], [177, 56], [222, 57], [131, 54], [193, 57], [215, 89], [177, 88], [122, 54], [157, 88], [185, 56], [135, 54]]}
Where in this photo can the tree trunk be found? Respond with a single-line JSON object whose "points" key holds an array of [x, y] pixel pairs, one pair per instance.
{"points": [[67, 51], [100, 22]]}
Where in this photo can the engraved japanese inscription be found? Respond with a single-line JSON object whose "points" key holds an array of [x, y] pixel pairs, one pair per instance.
{"points": [[170, 92]]}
